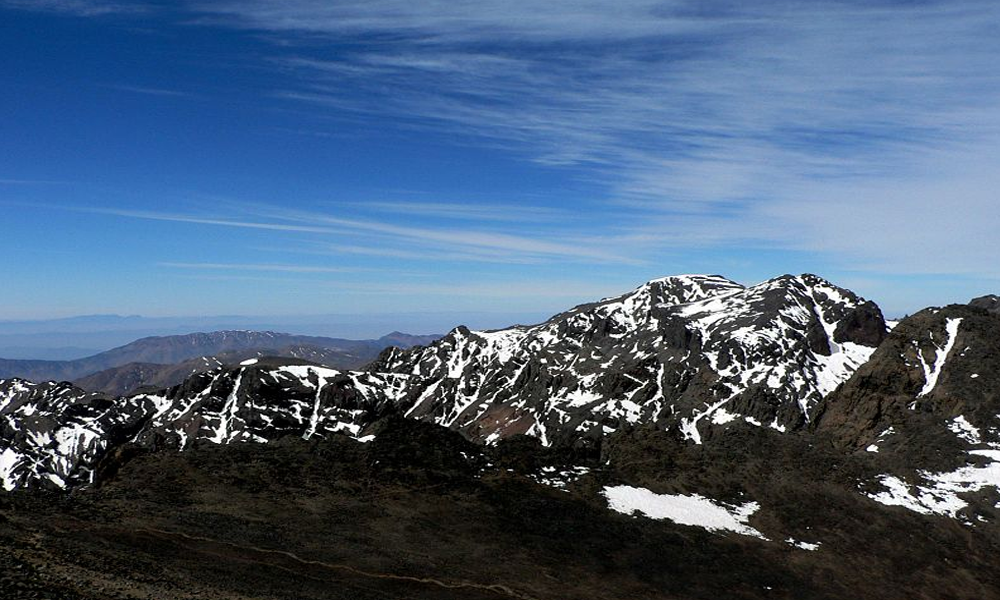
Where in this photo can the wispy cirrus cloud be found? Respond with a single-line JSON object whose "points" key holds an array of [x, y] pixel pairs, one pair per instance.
{"points": [[864, 132], [385, 238], [150, 91], [457, 211], [518, 290], [278, 268], [9, 181], [199, 219], [728, 123], [79, 8]]}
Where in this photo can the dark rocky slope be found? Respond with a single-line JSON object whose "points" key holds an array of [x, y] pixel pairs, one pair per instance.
{"points": [[421, 513], [934, 382]]}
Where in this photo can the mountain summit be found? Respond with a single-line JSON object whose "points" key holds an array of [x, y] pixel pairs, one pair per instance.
{"points": [[687, 351]]}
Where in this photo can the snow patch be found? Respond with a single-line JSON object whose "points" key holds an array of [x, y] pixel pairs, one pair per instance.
{"points": [[9, 459], [683, 509], [803, 545], [965, 430], [837, 368], [939, 493], [722, 416]]}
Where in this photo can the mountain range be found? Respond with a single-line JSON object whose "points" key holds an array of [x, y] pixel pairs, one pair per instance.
{"points": [[691, 438], [162, 361]]}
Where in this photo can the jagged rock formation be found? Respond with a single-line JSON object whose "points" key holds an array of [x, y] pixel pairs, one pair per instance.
{"points": [[990, 303], [54, 435]]}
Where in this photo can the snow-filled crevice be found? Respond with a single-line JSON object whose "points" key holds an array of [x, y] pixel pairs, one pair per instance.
{"points": [[932, 372]]}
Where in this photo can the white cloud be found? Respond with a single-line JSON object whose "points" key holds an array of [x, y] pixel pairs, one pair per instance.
{"points": [[835, 127], [469, 211]]}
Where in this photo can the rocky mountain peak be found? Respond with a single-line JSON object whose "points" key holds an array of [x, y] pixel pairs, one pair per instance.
{"points": [[989, 303], [686, 351]]}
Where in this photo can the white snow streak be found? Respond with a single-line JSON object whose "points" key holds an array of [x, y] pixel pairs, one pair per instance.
{"points": [[932, 372], [803, 545]]}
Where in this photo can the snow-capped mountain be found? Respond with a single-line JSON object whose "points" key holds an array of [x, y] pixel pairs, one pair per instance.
{"points": [[689, 351], [129, 378]]}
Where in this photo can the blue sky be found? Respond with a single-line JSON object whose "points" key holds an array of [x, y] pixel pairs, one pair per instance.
{"points": [[504, 159]]}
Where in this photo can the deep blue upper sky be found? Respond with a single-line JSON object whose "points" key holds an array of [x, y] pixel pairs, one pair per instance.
{"points": [[508, 157]]}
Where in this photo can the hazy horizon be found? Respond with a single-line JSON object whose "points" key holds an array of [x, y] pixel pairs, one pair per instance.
{"points": [[77, 336]]}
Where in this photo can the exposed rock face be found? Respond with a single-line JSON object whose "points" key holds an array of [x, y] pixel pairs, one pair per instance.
{"points": [[865, 325], [939, 363], [53, 433]]}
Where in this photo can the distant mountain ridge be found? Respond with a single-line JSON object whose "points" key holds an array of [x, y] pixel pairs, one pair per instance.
{"points": [[170, 350], [132, 377]]}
